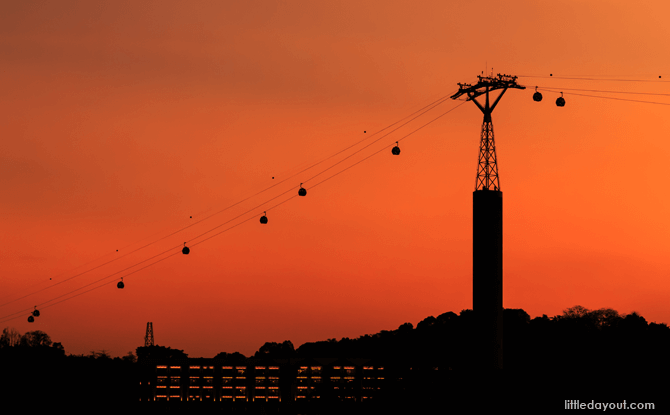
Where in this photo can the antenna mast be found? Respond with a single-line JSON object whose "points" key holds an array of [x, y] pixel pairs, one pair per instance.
{"points": [[149, 337]]}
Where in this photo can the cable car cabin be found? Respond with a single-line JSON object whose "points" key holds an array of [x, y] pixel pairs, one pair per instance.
{"points": [[31, 319], [560, 102], [537, 97], [185, 250], [395, 150], [120, 285], [302, 192], [36, 312], [264, 219]]}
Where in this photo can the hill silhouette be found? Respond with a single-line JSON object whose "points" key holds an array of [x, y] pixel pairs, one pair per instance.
{"points": [[580, 354]]}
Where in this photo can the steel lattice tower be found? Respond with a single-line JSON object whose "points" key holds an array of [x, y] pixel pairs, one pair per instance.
{"points": [[487, 288], [149, 337]]}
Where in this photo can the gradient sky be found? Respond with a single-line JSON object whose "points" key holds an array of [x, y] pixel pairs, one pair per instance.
{"points": [[120, 120]]}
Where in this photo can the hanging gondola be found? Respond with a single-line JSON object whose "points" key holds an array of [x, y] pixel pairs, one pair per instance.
{"points": [[264, 219], [120, 284], [302, 192], [36, 312], [31, 319], [537, 96], [560, 101], [185, 250], [395, 150]]}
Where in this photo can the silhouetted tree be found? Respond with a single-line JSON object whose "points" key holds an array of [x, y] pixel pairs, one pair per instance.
{"points": [[233, 358], [35, 338], [10, 337], [159, 352], [130, 357], [276, 350]]}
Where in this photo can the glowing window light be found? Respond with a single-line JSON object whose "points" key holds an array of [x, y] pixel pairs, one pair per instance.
{"points": [[227, 397], [240, 367], [194, 387], [174, 387], [337, 367], [273, 387], [161, 386], [302, 387], [207, 387], [161, 367], [175, 367], [349, 377], [227, 387], [367, 368], [349, 367], [274, 367], [194, 367], [316, 367], [260, 367], [227, 367]]}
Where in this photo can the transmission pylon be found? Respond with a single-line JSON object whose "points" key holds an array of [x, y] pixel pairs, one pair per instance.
{"points": [[487, 271], [149, 337]]}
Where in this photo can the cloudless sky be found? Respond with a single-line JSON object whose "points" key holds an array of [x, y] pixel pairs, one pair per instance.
{"points": [[121, 120]]}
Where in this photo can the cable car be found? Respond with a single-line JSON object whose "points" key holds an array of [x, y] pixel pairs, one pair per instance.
{"points": [[302, 192], [537, 97], [36, 312], [264, 219], [395, 150], [31, 319], [185, 250], [120, 284], [560, 101]]}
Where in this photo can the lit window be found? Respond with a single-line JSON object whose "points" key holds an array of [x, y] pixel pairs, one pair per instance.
{"points": [[175, 367], [161, 367], [367, 367], [337, 367], [227, 367], [260, 367], [194, 367]]}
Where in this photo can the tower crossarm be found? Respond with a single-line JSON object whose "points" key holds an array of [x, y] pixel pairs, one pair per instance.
{"points": [[486, 84]]}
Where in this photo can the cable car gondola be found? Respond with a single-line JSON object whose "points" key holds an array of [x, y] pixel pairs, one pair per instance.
{"points": [[302, 192], [36, 312], [560, 101], [537, 97], [264, 219], [120, 284], [395, 150], [185, 250], [31, 319]]}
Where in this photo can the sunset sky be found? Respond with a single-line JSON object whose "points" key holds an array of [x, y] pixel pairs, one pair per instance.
{"points": [[121, 120]]}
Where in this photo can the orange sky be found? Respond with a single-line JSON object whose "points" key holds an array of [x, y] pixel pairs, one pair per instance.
{"points": [[120, 121]]}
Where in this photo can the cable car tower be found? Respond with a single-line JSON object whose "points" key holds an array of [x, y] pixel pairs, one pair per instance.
{"points": [[487, 288]]}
